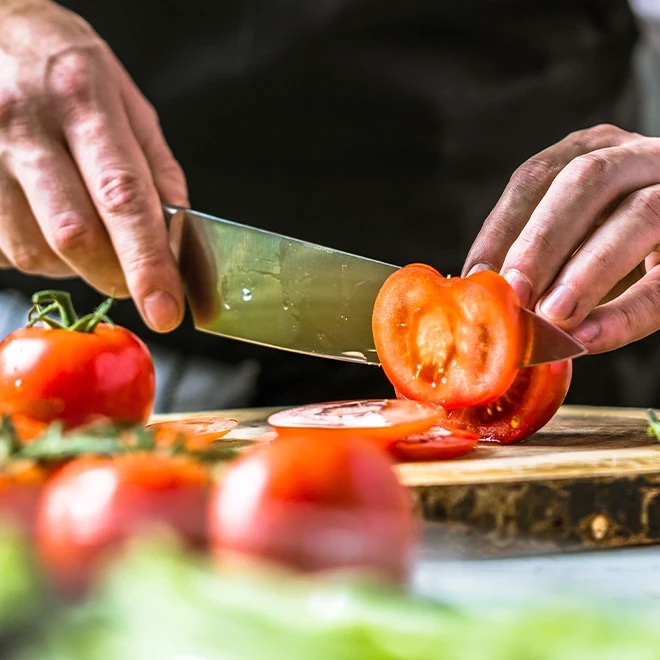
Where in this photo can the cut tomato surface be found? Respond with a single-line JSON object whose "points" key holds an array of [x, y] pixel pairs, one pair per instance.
{"points": [[198, 431], [380, 420], [456, 342], [440, 443], [528, 405]]}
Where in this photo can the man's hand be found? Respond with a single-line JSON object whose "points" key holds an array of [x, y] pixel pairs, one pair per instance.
{"points": [[575, 220], [83, 164]]}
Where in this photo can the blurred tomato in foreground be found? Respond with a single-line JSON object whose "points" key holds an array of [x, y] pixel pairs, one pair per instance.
{"points": [[94, 504], [313, 504]]}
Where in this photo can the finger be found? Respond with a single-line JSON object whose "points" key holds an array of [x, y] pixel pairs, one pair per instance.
{"points": [[526, 189], [21, 241], [66, 215], [571, 208], [166, 172], [612, 251], [632, 316], [116, 173]]}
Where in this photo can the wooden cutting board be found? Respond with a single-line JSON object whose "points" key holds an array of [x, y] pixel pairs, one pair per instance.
{"points": [[589, 479]]}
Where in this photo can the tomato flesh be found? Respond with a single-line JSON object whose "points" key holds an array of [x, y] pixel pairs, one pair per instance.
{"points": [[382, 421], [198, 431], [440, 443], [93, 504], [52, 374], [315, 507], [456, 342], [528, 405]]}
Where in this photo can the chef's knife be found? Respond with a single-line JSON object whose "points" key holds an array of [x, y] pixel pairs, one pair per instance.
{"points": [[257, 286]]}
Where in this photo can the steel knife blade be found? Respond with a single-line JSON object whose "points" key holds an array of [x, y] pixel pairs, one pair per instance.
{"points": [[257, 286]]}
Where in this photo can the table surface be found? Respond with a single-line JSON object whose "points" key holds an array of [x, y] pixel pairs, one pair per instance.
{"points": [[629, 575], [626, 576]]}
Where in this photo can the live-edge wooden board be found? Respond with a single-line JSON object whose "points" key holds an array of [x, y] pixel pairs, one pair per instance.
{"points": [[589, 479]]}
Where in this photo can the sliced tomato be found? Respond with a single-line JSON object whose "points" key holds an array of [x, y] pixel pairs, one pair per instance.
{"points": [[456, 342], [528, 405], [440, 443], [198, 431], [380, 420]]}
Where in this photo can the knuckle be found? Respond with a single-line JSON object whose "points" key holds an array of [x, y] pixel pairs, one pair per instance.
{"points": [[592, 171], [144, 261], [534, 173], [646, 207], [122, 193], [13, 110], [72, 74], [586, 138], [626, 321], [172, 171], [72, 234]]}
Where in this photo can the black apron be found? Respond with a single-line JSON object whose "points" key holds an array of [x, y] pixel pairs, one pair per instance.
{"points": [[386, 128]]}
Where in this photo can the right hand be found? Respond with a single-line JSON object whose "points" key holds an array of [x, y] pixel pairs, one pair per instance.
{"points": [[83, 164]]}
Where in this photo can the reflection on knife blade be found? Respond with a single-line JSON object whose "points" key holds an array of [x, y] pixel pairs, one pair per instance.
{"points": [[273, 290]]}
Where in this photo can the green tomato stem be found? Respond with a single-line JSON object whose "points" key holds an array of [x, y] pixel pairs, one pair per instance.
{"points": [[59, 302]]}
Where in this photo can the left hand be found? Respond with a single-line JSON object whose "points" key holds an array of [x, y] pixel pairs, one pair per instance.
{"points": [[573, 222]]}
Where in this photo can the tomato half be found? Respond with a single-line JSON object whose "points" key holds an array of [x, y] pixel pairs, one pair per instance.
{"points": [[379, 420], [438, 444], [529, 404], [93, 504], [198, 431], [456, 342], [314, 507]]}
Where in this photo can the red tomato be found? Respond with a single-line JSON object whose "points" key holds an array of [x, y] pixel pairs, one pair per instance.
{"points": [[380, 420], [456, 342], [51, 374], [529, 404], [198, 431], [93, 504], [437, 444], [315, 506], [21, 484]]}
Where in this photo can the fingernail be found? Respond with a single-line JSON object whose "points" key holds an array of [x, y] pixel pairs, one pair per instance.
{"points": [[520, 285], [560, 303], [587, 331], [479, 267], [161, 310]]}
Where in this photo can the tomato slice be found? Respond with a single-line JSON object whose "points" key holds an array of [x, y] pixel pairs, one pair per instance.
{"points": [[380, 420], [456, 342], [439, 443], [528, 405], [198, 431]]}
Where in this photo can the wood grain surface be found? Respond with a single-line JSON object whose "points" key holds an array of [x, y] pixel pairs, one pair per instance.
{"points": [[589, 479]]}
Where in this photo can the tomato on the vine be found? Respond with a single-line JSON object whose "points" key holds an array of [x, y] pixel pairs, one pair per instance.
{"points": [[528, 405], [315, 506], [74, 370], [92, 505], [456, 342]]}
